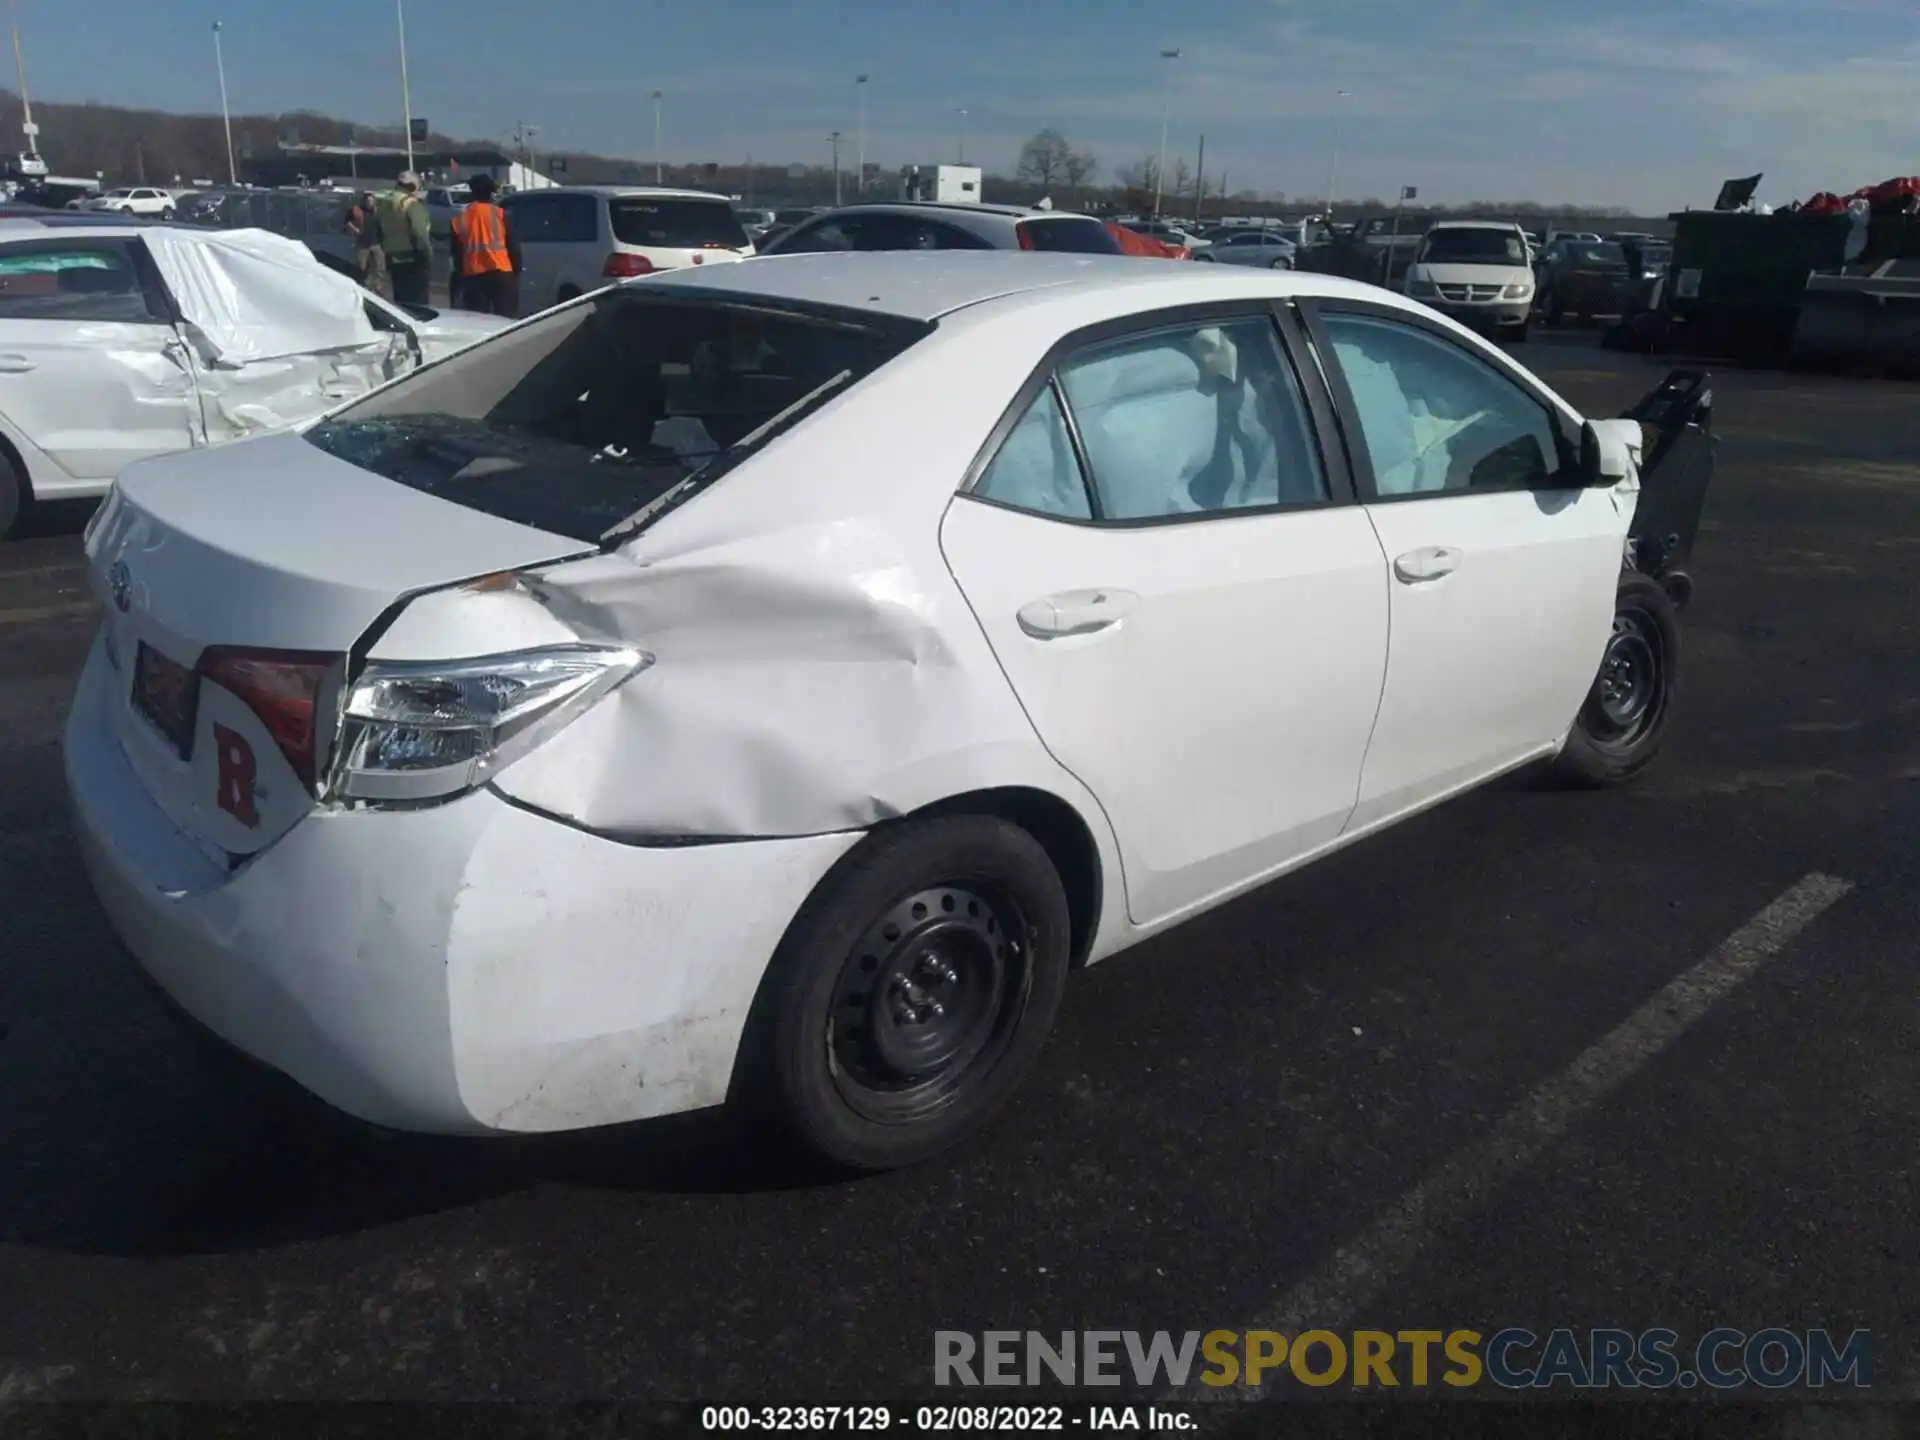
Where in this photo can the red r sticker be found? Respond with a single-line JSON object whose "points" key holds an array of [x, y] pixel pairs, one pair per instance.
{"points": [[234, 791]]}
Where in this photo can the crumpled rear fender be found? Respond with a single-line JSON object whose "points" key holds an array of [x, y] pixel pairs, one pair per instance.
{"points": [[804, 682]]}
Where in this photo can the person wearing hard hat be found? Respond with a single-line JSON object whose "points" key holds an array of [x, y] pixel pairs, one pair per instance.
{"points": [[486, 254], [406, 237]]}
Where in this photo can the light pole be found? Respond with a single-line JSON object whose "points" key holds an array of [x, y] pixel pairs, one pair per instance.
{"points": [[961, 157], [834, 140], [226, 121], [658, 165], [27, 128], [860, 141], [1166, 118], [1333, 169], [406, 88]]}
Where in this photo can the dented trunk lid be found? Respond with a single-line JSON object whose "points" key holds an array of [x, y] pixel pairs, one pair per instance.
{"points": [[269, 545]]}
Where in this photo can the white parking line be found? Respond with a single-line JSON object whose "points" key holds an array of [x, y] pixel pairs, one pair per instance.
{"points": [[26, 615], [1333, 1295]]}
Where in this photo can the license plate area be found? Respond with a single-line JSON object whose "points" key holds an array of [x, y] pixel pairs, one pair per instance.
{"points": [[168, 695]]}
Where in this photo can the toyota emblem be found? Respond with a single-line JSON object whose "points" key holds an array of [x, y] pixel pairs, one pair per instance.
{"points": [[120, 584]]}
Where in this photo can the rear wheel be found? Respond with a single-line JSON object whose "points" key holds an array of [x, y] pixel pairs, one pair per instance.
{"points": [[1623, 724], [1282, 263], [567, 292], [911, 994]]}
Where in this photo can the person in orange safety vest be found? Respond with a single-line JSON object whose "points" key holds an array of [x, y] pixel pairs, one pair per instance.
{"points": [[486, 255]]}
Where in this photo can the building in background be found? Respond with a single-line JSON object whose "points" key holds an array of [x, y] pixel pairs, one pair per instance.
{"points": [[350, 165], [946, 184]]}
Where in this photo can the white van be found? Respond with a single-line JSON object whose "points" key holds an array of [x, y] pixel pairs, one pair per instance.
{"points": [[578, 238]]}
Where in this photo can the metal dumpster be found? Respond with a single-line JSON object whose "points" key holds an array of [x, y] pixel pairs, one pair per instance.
{"points": [[1861, 317], [1737, 279]]}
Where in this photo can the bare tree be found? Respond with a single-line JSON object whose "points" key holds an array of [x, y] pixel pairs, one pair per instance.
{"points": [[1044, 158], [1078, 165]]}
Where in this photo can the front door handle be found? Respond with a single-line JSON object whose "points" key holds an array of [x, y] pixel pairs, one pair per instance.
{"points": [[1075, 612], [15, 364], [1430, 562]]}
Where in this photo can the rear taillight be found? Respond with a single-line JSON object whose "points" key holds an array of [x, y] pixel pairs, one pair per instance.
{"points": [[414, 733], [622, 266], [282, 688], [1024, 235]]}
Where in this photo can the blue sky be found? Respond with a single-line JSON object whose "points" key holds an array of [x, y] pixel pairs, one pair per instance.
{"points": [[1638, 102]]}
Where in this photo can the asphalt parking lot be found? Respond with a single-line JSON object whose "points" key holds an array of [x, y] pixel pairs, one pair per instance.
{"points": [[1232, 1123]]}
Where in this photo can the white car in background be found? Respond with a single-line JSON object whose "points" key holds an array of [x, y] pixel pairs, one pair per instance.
{"points": [[118, 342], [1478, 272], [578, 238], [764, 683], [133, 200]]}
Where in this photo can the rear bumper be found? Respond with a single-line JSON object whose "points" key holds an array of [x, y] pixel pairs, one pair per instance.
{"points": [[467, 968]]}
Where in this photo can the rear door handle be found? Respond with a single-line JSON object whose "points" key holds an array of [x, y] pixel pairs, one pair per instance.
{"points": [[1075, 612], [15, 364], [1430, 562]]}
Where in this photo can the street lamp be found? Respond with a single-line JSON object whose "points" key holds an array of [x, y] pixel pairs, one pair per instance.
{"points": [[961, 158], [658, 170], [226, 121], [860, 143], [834, 140], [1333, 169], [27, 128], [1166, 118], [406, 89]]}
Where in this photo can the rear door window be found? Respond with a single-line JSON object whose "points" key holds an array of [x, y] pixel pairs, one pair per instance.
{"points": [[1074, 234], [574, 422], [93, 281], [675, 223]]}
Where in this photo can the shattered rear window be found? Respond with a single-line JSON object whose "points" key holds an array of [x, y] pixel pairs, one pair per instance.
{"points": [[574, 423]]}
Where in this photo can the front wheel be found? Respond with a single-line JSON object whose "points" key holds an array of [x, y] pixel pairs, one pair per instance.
{"points": [[1623, 723], [911, 994], [1282, 263]]}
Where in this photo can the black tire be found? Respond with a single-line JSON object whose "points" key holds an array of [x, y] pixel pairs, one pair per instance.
{"points": [[13, 495], [567, 292], [1623, 722], [1280, 264], [843, 1008], [1518, 333], [167, 214]]}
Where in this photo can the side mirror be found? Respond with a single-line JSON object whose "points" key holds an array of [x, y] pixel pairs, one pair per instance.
{"points": [[1609, 451]]}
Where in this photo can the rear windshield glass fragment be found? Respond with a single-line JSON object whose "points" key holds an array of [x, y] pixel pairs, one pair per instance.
{"points": [[573, 423]]}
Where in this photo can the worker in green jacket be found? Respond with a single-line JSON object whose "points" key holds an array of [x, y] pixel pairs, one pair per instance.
{"points": [[406, 233]]}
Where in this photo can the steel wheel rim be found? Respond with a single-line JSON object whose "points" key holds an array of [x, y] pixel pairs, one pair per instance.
{"points": [[927, 1001], [1630, 689]]}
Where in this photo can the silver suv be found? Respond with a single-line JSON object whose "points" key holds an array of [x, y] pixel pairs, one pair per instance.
{"points": [[918, 225]]}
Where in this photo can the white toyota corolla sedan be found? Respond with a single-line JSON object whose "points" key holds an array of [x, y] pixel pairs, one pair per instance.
{"points": [[764, 683]]}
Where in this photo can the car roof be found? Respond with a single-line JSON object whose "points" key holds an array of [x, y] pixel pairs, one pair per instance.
{"points": [[627, 192], [20, 227], [1477, 225], [926, 285], [950, 207]]}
